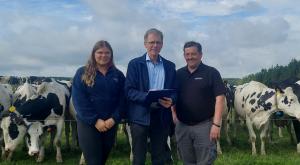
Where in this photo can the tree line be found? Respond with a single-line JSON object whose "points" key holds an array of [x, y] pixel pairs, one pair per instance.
{"points": [[274, 74]]}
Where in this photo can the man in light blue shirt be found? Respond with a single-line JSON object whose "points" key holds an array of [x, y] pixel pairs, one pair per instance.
{"points": [[149, 72], [156, 73]]}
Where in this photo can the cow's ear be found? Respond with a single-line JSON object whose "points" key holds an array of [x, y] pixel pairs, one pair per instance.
{"points": [[289, 90]]}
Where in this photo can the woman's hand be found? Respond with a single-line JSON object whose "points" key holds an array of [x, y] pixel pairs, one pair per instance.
{"points": [[100, 125], [109, 123]]}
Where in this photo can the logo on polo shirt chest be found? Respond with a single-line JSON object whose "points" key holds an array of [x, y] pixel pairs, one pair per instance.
{"points": [[198, 78]]}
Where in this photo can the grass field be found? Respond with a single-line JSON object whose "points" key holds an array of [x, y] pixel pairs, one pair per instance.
{"points": [[279, 152]]}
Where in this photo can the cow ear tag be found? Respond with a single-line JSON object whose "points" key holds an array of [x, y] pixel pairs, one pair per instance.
{"points": [[12, 109]]}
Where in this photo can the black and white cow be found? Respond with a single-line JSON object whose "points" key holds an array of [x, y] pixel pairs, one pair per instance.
{"points": [[255, 102], [13, 134], [230, 89], [57, 96], [9, 89], [229, 95], [12, 80], [37, 80], [296, 89], [231, 117], [5, 98], [70, 118], [35, 116], [224, 126], [5, 103], [21, 95]]}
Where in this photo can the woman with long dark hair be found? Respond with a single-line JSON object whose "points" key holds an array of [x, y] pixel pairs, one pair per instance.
{"points": [[98, 99]]}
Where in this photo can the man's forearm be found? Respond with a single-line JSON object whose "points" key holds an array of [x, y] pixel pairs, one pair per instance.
{"points": [[219, 107], [173, 109]]}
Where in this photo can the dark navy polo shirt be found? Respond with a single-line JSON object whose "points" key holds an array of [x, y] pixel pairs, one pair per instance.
{"points": [[197, 93]]}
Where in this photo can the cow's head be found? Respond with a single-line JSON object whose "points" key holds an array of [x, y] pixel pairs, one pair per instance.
{"points": [[288, 102], [34, 137], [13, 130]]}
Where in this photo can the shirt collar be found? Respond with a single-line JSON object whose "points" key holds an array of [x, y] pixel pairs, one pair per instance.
{"points": [[200, 67], [148, 58], [109, 70]]}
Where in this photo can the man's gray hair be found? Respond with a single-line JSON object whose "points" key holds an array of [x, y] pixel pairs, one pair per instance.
{"points": [[155, 31]]}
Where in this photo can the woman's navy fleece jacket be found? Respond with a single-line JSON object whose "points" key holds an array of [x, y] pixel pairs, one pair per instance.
{"points": [[103, 100]]}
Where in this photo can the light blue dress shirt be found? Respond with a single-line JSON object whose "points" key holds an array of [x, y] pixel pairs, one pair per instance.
{"points": [[156, 73]]}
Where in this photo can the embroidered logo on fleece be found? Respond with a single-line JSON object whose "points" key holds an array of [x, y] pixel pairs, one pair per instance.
{"points": [[116, 79]]}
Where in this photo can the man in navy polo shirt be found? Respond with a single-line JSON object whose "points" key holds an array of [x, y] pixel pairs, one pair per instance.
{"points": [[199, 107]]}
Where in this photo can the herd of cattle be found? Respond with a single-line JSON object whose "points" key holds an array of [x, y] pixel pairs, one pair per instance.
{"points": [[29, 113], [32, 108]]}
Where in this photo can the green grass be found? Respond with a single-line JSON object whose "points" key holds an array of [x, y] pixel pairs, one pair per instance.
{"points": [[279, 152]]}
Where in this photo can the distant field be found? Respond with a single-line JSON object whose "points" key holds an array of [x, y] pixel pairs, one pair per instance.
{"points": [[280, 152]]}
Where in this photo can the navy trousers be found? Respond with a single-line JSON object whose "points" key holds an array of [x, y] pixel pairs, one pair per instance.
{"points": [[95, 145], [157, 132]]}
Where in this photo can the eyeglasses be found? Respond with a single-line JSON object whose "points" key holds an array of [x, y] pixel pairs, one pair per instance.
{"points": [[154, 42]]}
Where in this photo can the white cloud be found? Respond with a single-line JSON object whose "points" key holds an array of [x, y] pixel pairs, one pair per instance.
{"points": [[203, 7], [239, 37]]}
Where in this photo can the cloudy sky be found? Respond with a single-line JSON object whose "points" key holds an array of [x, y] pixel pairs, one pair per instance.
{"points": [[55, 37]]}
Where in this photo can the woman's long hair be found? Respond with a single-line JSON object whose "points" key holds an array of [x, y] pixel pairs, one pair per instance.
{"points": [[89, 74]]}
